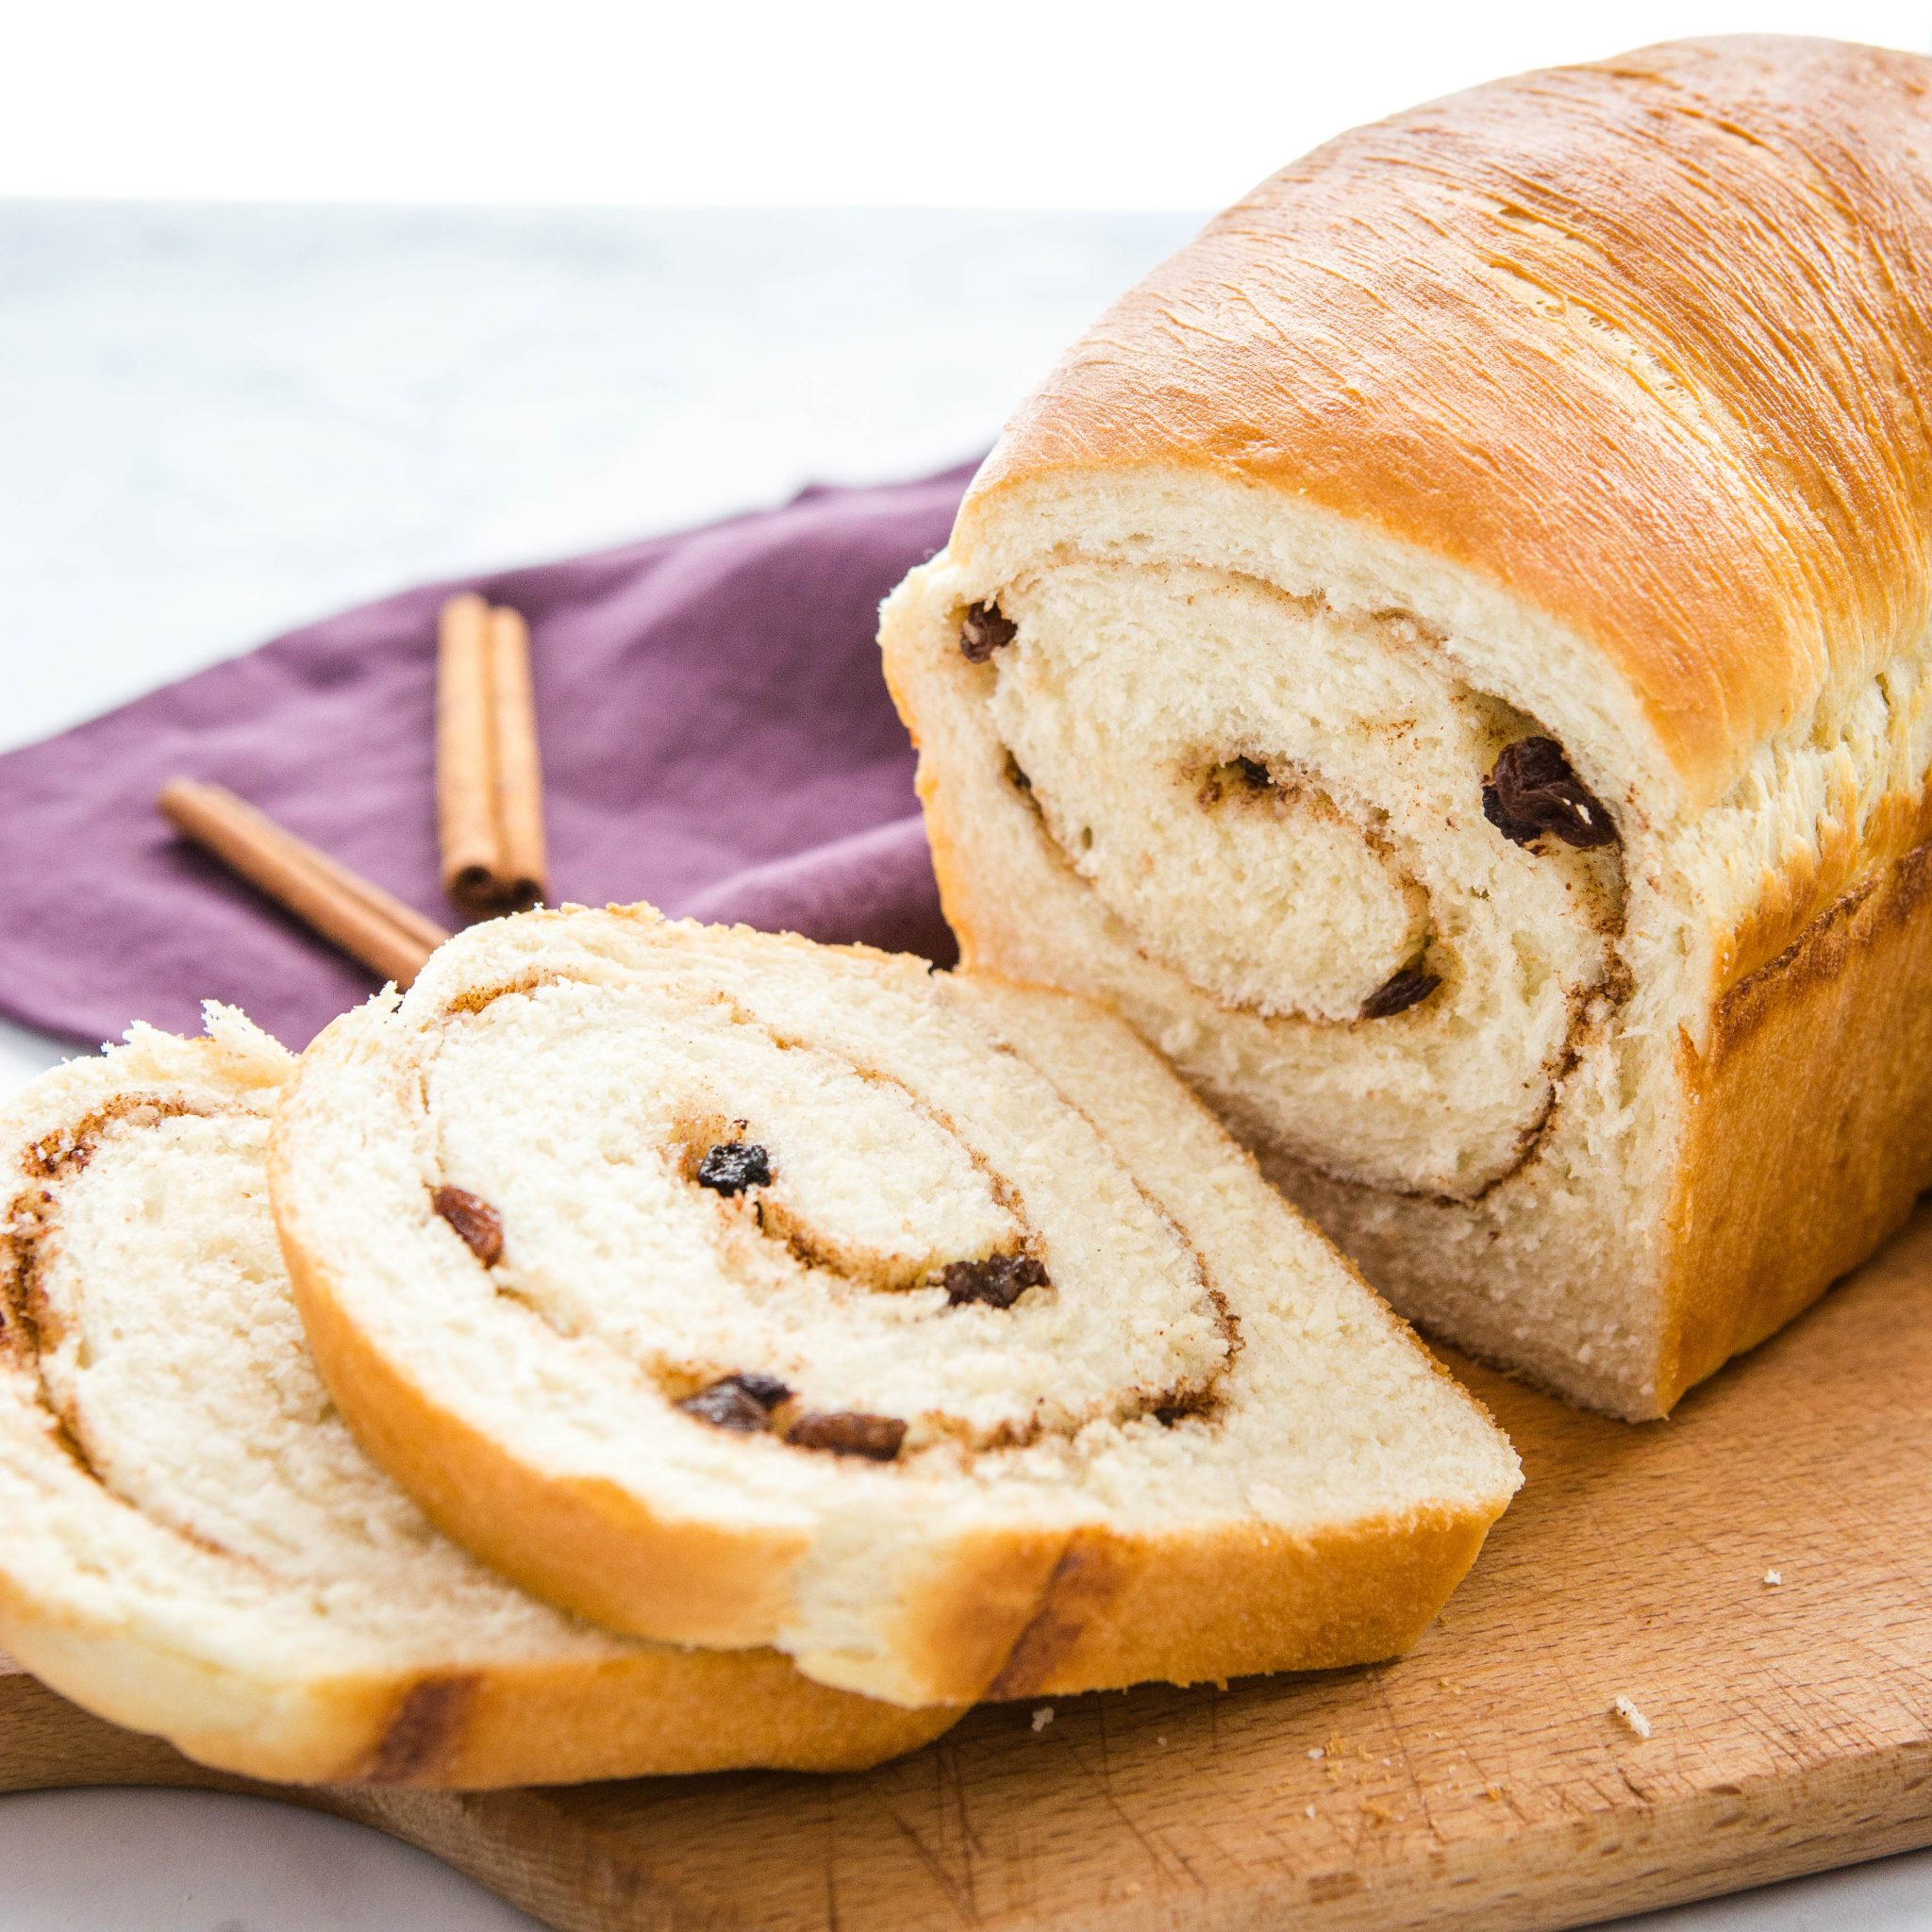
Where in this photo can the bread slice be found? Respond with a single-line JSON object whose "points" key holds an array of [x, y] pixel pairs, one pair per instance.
{"points": [[195, 1547], [732, 1290]]}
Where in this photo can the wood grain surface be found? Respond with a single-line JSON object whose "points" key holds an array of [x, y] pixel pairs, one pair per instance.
{"points": [[1483, 1781]]}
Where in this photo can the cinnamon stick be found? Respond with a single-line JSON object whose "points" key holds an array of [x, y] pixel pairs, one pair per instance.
{"points": [[519, 770], [392, 940], [489, 780], [465, 762]]}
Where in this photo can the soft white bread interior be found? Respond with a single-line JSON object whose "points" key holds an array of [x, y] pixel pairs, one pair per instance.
{"points": [[1448, 659], [733, 1290], [194, 1544]]}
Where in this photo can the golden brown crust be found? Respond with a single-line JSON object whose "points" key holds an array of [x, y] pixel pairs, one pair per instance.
{"points": [[556, 1720], [1810, 1134], [959, 1632], [1642, 342], [1814, 886], [1207, 1606], [676, 1711]]}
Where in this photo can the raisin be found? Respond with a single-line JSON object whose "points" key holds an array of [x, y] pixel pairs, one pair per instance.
{"points": [[743, 1402], [732, 1166], [765, 1389], [1533, 790], [1255, 772], [475, 1219], [998, 1281], [983, 630], [1400, 992], [847, 1433]]}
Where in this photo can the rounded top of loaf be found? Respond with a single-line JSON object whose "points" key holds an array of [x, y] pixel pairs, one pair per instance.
{"points": [[1642, 343]]}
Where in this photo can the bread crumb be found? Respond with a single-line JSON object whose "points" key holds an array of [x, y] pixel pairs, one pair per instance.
{"points": [[1043, 1716], [1162, 1742], [1631, 1716], [1308, 1811], [1316, 1754], [1773, 1577]]}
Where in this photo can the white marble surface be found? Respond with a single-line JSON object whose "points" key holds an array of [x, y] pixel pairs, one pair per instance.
{"points": [[1011, 103], [220, 423], [195, 1861]]}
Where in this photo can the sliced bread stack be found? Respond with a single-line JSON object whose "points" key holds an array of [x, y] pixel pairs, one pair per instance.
{"points": [[193, 1544], [789, 1345]]}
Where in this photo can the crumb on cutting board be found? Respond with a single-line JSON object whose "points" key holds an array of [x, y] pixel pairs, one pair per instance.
{"points": [[1043, 1717], [1773, 1577], [1634, 1719]]}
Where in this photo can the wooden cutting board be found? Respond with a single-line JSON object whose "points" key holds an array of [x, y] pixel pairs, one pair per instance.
{"points": [[1481, 1782]]}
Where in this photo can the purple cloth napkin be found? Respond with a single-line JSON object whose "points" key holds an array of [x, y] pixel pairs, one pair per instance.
{"points": [[716, 737]]}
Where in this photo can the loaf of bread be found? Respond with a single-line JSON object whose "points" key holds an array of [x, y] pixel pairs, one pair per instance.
{"points": [[1447, 656], [192, 1543], [726, 1289]]}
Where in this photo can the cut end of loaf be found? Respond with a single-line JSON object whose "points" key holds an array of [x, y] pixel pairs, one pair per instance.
{"points": [[1426, 1094], [1355, 735]]}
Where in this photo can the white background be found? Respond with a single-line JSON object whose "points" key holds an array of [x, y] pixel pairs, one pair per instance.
{"points": [[216, 422], [982, 103]]}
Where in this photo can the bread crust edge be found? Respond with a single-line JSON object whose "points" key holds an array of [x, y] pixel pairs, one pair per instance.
{"points": [[1810, 1134], [558, 1721]]}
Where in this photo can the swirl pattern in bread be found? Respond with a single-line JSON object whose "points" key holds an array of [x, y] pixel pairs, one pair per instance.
{"points": [[731, 1290]]}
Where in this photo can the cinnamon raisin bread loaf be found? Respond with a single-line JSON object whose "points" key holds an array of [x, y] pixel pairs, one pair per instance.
{"points": [[1448, 659], [192, 1543], [732, 1290]]}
